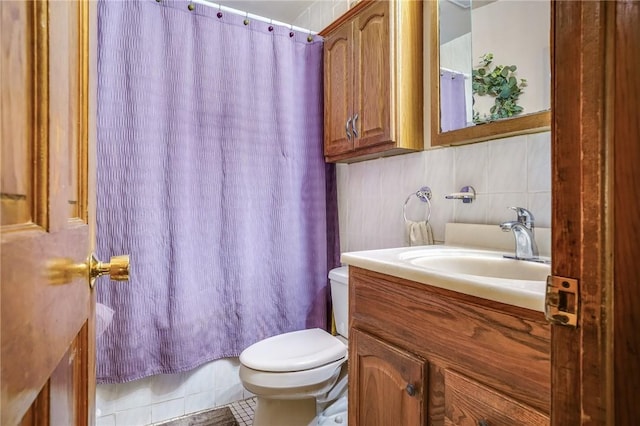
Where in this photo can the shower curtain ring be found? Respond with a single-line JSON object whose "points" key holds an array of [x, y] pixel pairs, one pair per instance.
{"points": [[270, 25], [291, 33], [191, 6], [219, 14], [246, 19]]}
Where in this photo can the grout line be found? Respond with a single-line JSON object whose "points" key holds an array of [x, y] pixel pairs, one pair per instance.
{"points": [[243, 411]]}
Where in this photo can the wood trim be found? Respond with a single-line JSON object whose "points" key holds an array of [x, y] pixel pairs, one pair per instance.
{"points": [[407, 71], [82, 373], [565, 402], [525, 124], [38, 413], [522, 125], [625, 24], [522, 313], [11, 232], [374, 151], [89, 411], [83, 109], [40, 112], [581, 207], [91, 140], [434, 74], [345, 17], [607, 398]]}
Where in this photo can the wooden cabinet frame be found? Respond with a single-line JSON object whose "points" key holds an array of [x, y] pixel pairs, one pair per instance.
{"points": [[373, 75]]}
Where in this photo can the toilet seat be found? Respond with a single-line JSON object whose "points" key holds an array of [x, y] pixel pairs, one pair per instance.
{"points": [[314, 381], [294, 351]]}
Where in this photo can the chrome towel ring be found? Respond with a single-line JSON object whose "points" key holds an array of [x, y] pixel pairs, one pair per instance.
{"points": [[424, 195]]}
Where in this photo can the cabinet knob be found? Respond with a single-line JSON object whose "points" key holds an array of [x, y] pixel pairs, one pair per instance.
{"points": [[483, 422], [411, 390]]}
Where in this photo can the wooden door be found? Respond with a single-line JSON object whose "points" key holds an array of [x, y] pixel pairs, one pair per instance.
{"points": [[338, 91], [596, 200], [372, 75], [47, 331], [389, 383]]}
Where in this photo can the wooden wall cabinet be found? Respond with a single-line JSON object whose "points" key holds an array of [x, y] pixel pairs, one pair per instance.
{"points": [[421, 355], [373, 97]]}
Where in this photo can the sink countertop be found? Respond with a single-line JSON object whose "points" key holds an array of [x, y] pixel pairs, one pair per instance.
{"points": [[394, 262]]}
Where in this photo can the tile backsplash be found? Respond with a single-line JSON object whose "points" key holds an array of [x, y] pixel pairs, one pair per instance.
{"points": [[513, 171]]}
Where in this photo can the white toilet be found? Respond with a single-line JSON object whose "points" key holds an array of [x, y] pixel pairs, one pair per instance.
{"points": [[296, 375]]}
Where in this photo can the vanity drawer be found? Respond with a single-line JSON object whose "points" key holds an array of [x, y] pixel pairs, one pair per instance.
{"points": [[469, 403]]}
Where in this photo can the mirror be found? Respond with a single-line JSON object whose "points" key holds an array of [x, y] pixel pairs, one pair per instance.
{"points": [[491, 73]]}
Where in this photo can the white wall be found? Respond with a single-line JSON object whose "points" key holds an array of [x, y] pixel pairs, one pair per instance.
{"points": [[507, 172], [514, 171], [517, 33]]}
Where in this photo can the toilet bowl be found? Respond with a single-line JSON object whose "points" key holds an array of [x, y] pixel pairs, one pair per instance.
{"points": [[295, 375]]}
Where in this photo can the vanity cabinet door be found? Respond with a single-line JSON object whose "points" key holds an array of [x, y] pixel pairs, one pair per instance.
{"points": [[469, 403], [387, 384]]}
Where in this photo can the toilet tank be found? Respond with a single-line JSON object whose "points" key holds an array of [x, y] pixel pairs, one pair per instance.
{"points": [[339, 279]]}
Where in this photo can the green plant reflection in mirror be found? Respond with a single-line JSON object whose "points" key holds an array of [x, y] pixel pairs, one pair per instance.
{"points": [[499, 82]]}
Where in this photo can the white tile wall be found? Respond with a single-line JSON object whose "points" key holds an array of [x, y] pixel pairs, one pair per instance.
{"points": [[167, 410], [513, 171], [166, 396], [506, 172], [134, 416], [321, 13]]}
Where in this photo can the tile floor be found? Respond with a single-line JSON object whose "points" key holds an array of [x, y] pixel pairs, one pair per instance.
{"points": [[243, 411]]}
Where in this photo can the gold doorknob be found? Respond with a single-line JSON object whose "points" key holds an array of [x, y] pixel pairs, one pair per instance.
{"points": [[63, 270]]}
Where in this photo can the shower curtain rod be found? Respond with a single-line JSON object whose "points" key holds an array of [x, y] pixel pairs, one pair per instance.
{"points": [[252, 16], [466, 75]]}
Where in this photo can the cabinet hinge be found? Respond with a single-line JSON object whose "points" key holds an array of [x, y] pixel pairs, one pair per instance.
{"points": [[562, 301]]}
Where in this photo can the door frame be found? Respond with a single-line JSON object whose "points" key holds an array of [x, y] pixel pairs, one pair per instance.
{"points": [[594, 230]]}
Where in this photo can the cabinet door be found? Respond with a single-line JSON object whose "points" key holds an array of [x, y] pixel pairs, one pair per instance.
{"points": [[386, 384], [372, 75], [469, 403], [338, 91]]}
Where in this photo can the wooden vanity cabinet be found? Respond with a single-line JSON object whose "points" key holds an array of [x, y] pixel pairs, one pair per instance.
{"points": [[389, 379], [373, 100], [421, 355]]}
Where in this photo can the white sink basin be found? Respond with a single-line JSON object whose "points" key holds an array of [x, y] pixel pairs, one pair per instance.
{"points": [[469, 262], [482, 273]]}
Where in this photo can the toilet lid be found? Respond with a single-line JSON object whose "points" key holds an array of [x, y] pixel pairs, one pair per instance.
{"points": [[295, 351]]}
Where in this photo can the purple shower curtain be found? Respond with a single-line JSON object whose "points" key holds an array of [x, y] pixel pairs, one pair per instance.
{"points": [[211, 175], [453, 114]]}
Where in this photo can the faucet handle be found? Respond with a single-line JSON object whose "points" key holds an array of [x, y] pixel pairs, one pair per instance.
{"points": [[525, 217]]}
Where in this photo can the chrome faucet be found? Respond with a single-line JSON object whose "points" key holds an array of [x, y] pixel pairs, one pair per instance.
{"points": [[526, 248]]}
